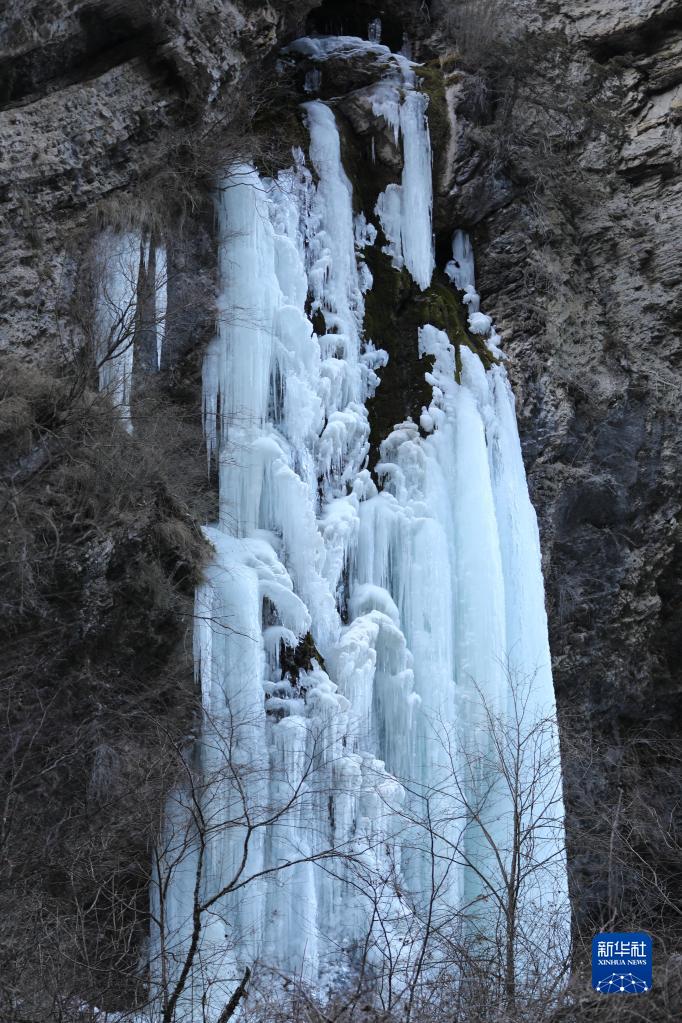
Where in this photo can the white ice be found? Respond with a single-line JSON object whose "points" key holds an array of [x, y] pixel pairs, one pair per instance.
{"points": [[416, 589], [117, 265]]}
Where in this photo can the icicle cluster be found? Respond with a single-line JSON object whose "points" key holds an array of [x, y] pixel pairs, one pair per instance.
{"points": [[346, 616]]}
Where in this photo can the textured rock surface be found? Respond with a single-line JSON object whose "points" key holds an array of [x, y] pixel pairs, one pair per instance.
{"points": [[614, 25], [579, 259], [94, 97]]}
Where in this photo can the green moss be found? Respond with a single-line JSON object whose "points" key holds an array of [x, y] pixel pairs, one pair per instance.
{"points": [[369, 178], [443, 307], [440, 306], [449, 62], [432, 80], [293, 662], [395, 309], [391, 291], [392, 322]]}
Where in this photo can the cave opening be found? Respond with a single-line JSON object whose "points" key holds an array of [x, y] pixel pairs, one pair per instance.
{"points": [[350, 18], [106, 36]]}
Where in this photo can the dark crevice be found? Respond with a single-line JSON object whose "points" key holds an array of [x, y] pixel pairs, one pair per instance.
{"points": [[346, 17], [107, 40], [642, 40]]}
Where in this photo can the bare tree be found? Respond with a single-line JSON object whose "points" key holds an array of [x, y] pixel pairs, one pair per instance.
{"points": [[236, 826], [489, 923], [130, 294]]}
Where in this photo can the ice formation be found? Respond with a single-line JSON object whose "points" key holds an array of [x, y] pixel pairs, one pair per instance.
{"points": [[119, 259], [117, 268], [352, 624], [404, 210]]}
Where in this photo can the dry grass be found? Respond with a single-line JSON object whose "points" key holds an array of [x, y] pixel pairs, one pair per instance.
{"points": [[100, 557]]}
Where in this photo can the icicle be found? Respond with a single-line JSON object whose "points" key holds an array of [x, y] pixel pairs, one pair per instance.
{"points": [[117, 265], [161, 293], [313, 80], [405, 209]]}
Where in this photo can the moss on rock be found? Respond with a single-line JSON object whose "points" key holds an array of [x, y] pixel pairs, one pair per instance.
{"points": [[443, 307], [294, 661], [368, 177], [395, 310], [432, 81]]}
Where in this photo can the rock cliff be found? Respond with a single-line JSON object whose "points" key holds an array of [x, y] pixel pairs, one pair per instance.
{"points": [[568, 170], [559, 148]]}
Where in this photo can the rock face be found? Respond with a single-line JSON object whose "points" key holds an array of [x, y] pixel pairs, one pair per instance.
{"points": [[96, 98], [576, 235]]}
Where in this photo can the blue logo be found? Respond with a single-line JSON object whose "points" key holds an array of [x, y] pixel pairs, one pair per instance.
{"points": [[622, 963]]}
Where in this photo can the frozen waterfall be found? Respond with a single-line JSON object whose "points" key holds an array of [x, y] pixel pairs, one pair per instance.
{"points": [[360, 635], [126, 266]]}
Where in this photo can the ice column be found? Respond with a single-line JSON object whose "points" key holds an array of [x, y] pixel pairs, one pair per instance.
{"points": [[404, 210]]}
